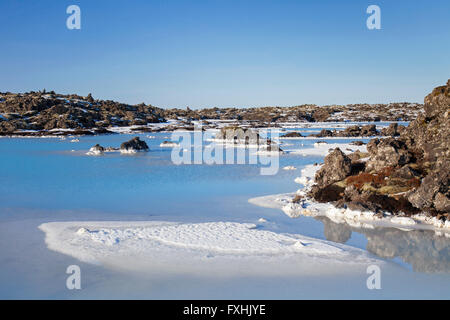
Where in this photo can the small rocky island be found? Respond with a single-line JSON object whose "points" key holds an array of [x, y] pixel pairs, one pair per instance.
{"points": [[132, 146], [406, 174]]}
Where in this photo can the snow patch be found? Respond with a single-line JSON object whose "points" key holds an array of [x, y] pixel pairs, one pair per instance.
{"points": [[203, 248]]}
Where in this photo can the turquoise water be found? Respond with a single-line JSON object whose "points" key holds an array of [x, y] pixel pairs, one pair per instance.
{"points": [[46, 174], [52, 179]]}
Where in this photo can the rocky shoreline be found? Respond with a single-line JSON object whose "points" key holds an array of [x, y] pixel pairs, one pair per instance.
{"points": [[406, 175], [51, 114]]}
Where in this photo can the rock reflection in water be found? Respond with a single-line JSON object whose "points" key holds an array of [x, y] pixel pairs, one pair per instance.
{"points": [[422, 249]]}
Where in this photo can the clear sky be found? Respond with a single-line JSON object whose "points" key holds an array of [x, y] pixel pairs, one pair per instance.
{"points": [[173, 53]]}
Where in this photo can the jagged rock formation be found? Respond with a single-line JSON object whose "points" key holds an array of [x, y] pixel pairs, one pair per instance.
{"points": [[342, 167], [406, 174]]}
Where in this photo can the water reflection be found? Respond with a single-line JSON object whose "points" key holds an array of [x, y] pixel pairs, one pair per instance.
{"points": [[424, 250]]}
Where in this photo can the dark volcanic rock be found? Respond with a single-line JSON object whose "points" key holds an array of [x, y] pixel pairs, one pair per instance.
{"points": [[323, 133], [337, 166], [46, 111], [369, 130], [240, 135], [292, 135], [429, 135], [134, 145], [96, 150], [43, 111], [357, 143], [393, 130], [433, 190], [387, 152], [408, 172], [328, 193]]}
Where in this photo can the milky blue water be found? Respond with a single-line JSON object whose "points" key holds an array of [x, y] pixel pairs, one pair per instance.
{"points": [[46, 174], [52, 179]]}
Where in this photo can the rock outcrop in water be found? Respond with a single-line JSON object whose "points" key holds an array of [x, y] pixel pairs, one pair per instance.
{"points": [[96, 150], [292, 134], [134, 145], [407, 174], [368, 130], [240, 135]]}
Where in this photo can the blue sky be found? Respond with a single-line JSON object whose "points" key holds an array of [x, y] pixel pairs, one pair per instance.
{"points": [[227, 53]]}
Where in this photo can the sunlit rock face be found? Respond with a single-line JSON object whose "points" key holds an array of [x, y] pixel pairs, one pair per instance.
{"points": [[430, 136], [406, 173]]}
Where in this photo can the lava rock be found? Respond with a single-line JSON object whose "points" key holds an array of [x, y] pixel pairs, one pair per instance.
{"points": [[337, 166], [134, 145]]}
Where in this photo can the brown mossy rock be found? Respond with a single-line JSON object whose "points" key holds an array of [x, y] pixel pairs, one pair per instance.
{"points": [[329, 193], [383, 182], [356, 199], [337, 166]]}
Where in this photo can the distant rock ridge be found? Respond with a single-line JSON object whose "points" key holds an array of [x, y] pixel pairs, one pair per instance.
{"points": [[405, 174], [42, 111]]}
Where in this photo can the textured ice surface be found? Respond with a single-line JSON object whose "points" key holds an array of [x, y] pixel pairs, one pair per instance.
{"points": [[228, 247]]}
